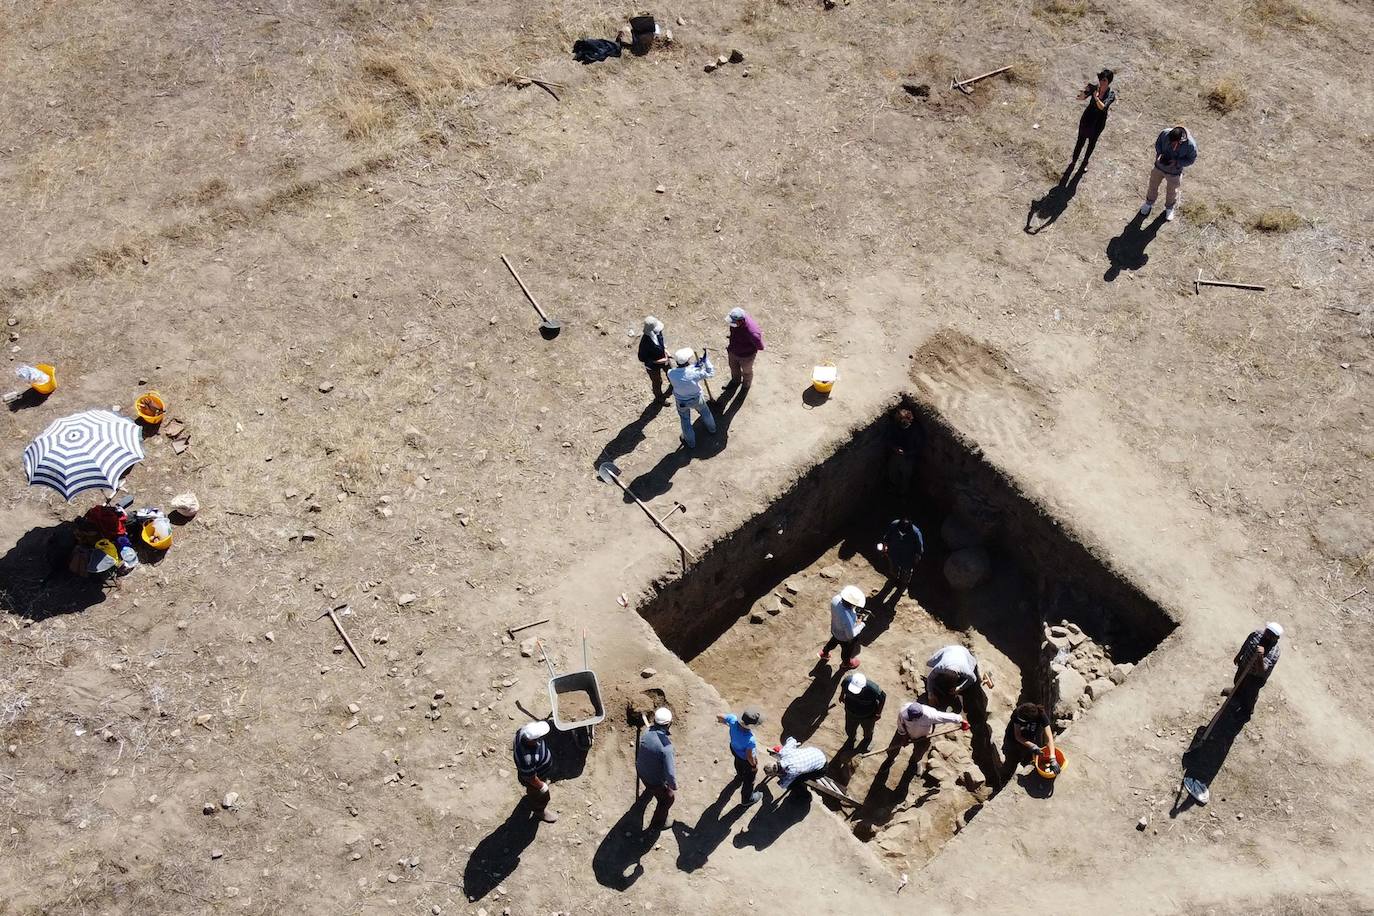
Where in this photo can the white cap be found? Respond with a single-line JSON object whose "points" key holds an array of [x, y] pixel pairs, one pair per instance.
{"points": [[534, 731], [652, 324], [852, 594], [735, 317], [1274, 628], [684, 356], [857, 682], [663, 715]]}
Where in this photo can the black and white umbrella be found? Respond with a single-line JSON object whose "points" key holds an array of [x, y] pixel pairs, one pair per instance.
{"points": [[86, 451]]}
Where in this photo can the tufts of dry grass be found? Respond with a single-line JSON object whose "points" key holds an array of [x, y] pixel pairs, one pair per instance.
{"points": [[1226, 96], [1060, 12], [1278, 219], [363, 118], [1204, 212], [428, 79], [1283, 14]]}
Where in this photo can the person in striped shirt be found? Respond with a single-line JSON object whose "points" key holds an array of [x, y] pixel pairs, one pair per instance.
{"points": [[533, 760]]}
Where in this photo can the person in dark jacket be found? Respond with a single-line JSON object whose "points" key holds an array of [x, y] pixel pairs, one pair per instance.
{"points": [[653, 353], [905, 441], [1094, 118], [863, 702], [1175, 150], [1028, 732], [656, 764], [746, 342], [904, 546], [1254, 662], [533, 760]]}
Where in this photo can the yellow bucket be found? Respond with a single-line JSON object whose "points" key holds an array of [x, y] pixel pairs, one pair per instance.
{"points": [[1042, 763], [150, 408], [823, 378], [51, 385], [152, 540]]}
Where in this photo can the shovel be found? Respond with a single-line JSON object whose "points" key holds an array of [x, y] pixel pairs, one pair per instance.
{"points": [[548, 327]]}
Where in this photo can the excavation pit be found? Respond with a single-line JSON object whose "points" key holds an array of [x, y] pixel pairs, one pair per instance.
{"points": [[1050, 617]]}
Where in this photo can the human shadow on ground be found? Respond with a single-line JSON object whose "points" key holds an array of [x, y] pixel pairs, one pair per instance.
{"points": [[774, 818], [881, 803], [34, 580], [806, 713], [659, 479], [1054, 202], [497, 856], [630, 435], [696, 843], [616, 862], [1127, 250], [569, 756], [1204, 760]]}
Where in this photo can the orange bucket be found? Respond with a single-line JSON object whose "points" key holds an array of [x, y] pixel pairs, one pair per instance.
{"points": [[1042, 763], [51, 385], [150, 408]]}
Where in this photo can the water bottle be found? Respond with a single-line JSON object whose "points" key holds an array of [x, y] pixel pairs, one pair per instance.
{"points": [[31, 375]]}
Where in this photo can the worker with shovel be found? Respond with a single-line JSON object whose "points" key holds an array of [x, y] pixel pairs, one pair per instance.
{"points": [[533, 760], [1254, 662], [686, 378], [915, 725], [656, 764]]}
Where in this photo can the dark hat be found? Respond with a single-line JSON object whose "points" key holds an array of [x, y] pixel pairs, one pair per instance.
{"points": [[752, 716]]}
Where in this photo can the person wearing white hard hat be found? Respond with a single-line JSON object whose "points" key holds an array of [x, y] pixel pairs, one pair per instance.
{"points": [[533, 760], [846, 623], [656, 763], [686, 377], [863, 702], [1254, 662], [653, 353]]}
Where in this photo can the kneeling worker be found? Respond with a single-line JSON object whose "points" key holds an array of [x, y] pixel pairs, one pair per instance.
{"points": [[795, 763]]}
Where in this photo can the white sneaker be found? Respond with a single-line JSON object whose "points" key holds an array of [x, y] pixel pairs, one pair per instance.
{"points": [[1169, 214], [1145, 209]]}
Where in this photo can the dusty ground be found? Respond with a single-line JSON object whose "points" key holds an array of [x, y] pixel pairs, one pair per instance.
{"points": [[244, 204]]}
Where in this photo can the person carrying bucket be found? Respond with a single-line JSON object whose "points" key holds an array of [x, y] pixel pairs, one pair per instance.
{"points": [[533, 760], [1028, 733], [686, 378]]}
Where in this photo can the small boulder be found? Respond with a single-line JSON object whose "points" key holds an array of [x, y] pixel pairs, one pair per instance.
{"points": [[528, 646], [965, 569], [1100, 688], [326, 387], [1070, 686], [833, 571], [230, 800], [648, 673], [756, 616], [1119, 672], [736, 56]]}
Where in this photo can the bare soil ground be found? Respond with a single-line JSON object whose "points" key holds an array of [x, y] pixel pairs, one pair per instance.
{"points": [[288, 220]]}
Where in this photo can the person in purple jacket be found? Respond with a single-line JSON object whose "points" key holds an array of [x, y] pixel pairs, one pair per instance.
{"points": [[746, 340]]}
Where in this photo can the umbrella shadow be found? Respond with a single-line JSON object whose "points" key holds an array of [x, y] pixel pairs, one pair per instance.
{"points": [[34, 581], [1054, 202], [659, 479], [1127, 250], [498, 854]]}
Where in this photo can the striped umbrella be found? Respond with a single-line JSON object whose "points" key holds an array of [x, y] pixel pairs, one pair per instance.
{"points": [[86, 451]]}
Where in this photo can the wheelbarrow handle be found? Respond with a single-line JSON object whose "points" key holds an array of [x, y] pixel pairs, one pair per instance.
{"points": [[540, 644]]}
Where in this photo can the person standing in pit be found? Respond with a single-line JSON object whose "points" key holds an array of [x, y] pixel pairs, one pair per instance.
{"points": [[1091, 123], [845, 626], [903, 545], [656, 763], [863, 702], [533, 760], [915, 724], [1028, 732], [653, 353], [744, 750], [746, 342], [953, 679]]}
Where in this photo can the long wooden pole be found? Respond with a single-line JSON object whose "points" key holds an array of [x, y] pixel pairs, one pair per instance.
{"points": [[653, 518]]}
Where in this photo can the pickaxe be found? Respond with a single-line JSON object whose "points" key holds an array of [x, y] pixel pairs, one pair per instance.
{"points": [[1199, 283], [332, 614]]}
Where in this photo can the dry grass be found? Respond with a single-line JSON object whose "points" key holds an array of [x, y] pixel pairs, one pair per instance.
{"points": [[1026, 71], [428, 79], [1226, 96], [1204, 212], [363, 118], [1278, 219], [1060, 12], [1283, 14]]}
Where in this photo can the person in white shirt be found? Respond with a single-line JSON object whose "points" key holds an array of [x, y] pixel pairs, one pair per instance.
{"points": [[953, 681], [795, 763], [686, 377], [915, 724]]}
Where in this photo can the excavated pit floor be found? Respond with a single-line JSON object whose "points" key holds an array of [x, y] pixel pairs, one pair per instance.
{"points": [[751, 615]]}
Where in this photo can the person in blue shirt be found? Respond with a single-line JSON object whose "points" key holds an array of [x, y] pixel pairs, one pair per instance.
{"points": [[656, 764], [744, 750]]}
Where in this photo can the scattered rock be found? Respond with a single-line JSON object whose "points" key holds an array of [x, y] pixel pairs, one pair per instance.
{"points": [[528, 646], [660, 190], [1070, 686], [1119, 672], [217, 853], [354, 708], [207, 808], [406, 599], [756, 616], [648, 673], [326, 387], [1100, 688], [710, 68], [789, 588], [230, 800], [833, 571], [965, 569], [736, 56], [1143, 822]]}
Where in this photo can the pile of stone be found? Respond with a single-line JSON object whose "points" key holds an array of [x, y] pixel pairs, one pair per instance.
{"points": [[1078, 671]]}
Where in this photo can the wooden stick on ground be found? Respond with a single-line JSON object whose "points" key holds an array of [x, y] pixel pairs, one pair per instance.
{"points": [[962, 85], [334, 617]]}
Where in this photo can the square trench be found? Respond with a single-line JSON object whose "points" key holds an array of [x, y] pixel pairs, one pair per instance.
{"points": [[1049, 622]]}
